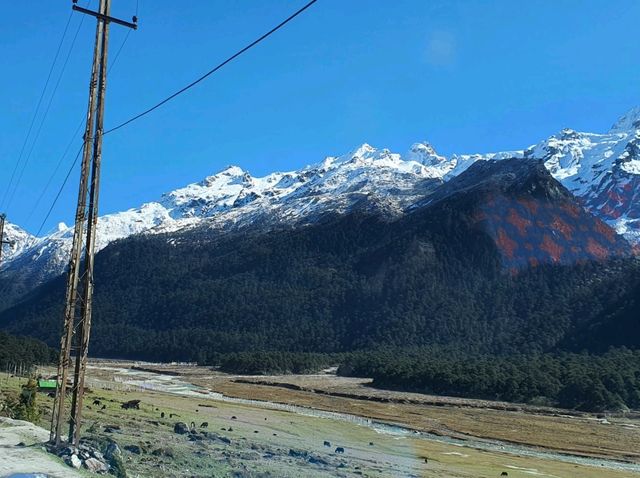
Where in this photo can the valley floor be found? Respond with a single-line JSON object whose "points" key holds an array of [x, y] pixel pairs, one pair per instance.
{"points": [[281, 424]]}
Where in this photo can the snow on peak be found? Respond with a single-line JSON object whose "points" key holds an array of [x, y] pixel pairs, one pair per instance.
{"points": [[569, 134], [364, 151], [425, 154], [231, 170], [18, 240], [629, 121], [226, 174], [62, 227], [602, 169]]}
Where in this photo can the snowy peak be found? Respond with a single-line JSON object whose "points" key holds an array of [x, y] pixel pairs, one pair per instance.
{"points": [[231, 170], [629, 121], [424, 153], [364, 152], [212, 194], [436, 166], [421, 160], [364, 156], [18, 240]]}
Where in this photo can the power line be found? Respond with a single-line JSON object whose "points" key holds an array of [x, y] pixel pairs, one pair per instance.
{"points": [[46, 111], [169, 98], [55, 171], [75, 161], [35, 113], [115, 57], [64, 154], [210, 72]]}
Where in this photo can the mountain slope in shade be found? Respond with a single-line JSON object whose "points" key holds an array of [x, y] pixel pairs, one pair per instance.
{"points": [[603, 170], [530, 216], [435, 275]]}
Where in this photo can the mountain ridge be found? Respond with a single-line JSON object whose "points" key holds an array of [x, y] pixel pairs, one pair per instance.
{"points": [[442, 274], [603, 170]]}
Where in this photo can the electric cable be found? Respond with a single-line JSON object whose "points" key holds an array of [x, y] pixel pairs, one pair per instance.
{"points": [[213, 70]]}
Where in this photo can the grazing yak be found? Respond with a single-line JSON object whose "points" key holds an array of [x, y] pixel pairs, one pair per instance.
{"points": [[131, 404]]}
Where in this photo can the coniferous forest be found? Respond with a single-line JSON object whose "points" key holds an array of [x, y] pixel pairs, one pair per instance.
{"points": [[23, 352], [422, 304]]}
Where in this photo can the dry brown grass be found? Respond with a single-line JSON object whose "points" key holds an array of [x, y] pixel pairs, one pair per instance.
{"points": [[584, 435]]}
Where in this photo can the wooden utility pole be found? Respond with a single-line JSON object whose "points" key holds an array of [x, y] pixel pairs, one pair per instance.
{"points": [[90, 166], [2, 240]]}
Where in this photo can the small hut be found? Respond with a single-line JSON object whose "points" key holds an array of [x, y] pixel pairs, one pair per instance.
{"points": [[46, 385]]}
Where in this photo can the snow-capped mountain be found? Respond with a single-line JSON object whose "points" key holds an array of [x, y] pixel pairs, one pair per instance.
{"points": [[233, 199], [18, 240], [601, 169]]}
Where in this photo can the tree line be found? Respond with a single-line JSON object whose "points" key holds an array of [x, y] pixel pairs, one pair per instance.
{"points": [[588, 382], [23, 352]]}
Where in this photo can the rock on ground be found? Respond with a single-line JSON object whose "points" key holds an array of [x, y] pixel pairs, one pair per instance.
{"points": [[95, 466]]}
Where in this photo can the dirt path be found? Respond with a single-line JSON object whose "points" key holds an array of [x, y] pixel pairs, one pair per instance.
{"points": [[29, 459]]}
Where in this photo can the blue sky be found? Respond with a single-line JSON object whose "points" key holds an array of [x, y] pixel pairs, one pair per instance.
{"points": [[467, 76]]}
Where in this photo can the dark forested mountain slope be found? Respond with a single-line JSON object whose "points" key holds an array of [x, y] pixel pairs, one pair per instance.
{"points": [[531, 217], [438, 276]]}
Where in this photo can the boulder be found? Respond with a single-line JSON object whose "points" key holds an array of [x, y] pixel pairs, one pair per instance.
{"points": [[113, 450], [95, 466], [74, 461]]}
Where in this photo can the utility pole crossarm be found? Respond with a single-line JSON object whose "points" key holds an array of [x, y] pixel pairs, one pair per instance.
{"points": [[106, 18]]}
